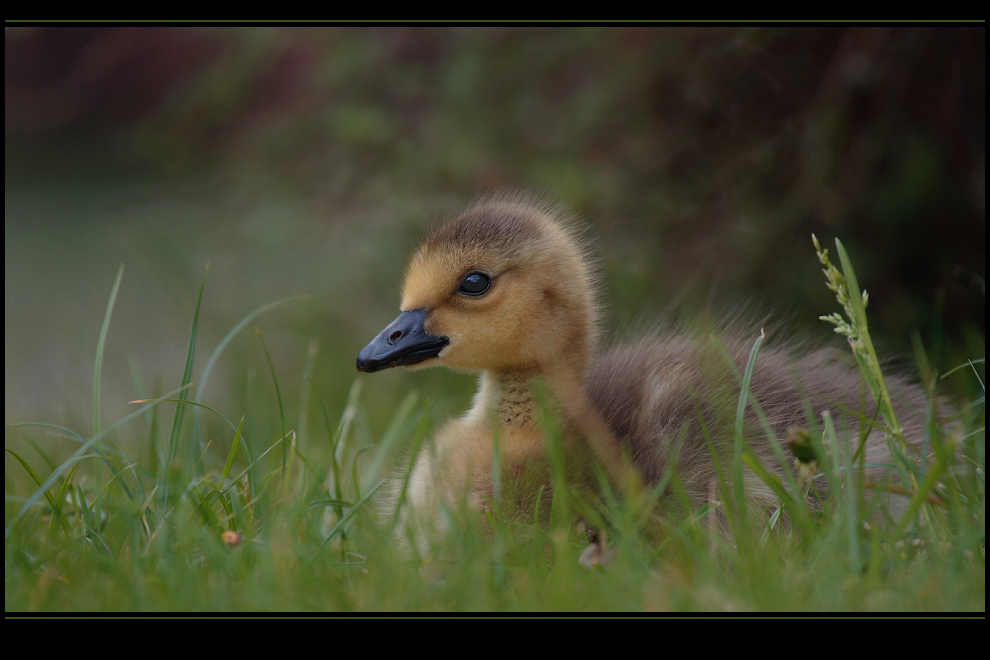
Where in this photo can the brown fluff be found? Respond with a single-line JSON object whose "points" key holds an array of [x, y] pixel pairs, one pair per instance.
{"points": [[642, 401], [655, 393]]}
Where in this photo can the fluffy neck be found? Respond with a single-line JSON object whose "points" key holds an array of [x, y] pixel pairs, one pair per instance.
{"points": [[508, 397]]}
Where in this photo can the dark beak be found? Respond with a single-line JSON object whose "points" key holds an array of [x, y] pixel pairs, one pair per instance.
{"points": [[403, 342]]}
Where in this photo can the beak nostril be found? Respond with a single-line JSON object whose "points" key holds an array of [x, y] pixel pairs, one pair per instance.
{"points": [[402, 342]]}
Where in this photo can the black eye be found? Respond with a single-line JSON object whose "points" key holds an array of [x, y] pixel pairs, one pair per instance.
{"points": [[474, 284]]}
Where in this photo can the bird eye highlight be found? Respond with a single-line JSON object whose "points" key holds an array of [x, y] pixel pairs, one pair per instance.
{"points": [[474, 283]]}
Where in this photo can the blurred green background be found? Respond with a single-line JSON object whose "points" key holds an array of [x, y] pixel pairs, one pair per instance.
{"points": [[309, 160]]}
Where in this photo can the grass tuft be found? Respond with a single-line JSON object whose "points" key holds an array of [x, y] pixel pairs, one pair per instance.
{"points": [[275, 513]]}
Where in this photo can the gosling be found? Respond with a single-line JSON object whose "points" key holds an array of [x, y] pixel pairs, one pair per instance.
{"points": [[507, 289]]}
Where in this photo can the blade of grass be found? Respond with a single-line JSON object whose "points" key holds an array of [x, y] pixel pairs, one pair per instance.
{"points": [[144, 510], [774, 483], [737, 458], [278, 392], [972, 365], [772, 442], [98, 364], [189, 402], [233, 451], [334, 437], [41, 452], [251, 465], [52, 502], [97, 367], [44, 558], [206, 513], [874, 377], [69, 433], [173, 443], [60, 498], [848, 498], [347, 516], [243, 323]]}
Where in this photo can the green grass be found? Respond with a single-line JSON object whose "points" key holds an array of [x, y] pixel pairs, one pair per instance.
{"points": [[180, 507]]}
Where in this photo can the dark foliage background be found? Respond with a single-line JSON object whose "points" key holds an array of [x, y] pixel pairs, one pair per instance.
{"points": [[307, 160]]}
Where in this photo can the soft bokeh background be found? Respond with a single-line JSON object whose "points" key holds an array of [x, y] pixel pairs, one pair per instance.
{"points": [[308, 160]]}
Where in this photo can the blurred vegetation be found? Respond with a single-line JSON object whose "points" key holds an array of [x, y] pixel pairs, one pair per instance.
{"points": [[308, 160]]}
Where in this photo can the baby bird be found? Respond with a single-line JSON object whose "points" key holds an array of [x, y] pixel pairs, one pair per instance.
{"points": [[506, 289]]}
